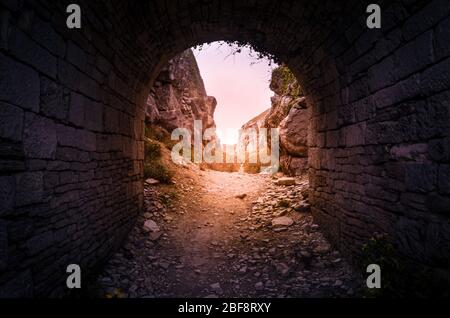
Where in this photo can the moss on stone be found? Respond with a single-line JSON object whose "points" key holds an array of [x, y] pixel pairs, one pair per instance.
{"points": [[284, 82], [152, 150]]}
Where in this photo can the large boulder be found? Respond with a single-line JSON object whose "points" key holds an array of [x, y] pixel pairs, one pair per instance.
{"points": [[293, 166], [294, 131], [289, 113]]}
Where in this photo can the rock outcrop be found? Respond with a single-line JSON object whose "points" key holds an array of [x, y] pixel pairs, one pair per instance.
{"points": [[290, 114], [294, 138], [178, 96], [255, 123]]}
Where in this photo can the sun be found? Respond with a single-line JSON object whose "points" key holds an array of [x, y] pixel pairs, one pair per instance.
{"points": [[228, 136]]}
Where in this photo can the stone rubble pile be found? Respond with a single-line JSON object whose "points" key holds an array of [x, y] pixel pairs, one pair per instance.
{"points": [[137, 270], [278, 251], [283, 253]]}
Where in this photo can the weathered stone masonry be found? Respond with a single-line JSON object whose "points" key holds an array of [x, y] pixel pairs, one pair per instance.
{"points": [[72, 111], [71, 151]]}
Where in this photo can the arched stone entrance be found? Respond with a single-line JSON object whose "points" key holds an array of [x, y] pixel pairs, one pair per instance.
{"points": [[71, 123]]}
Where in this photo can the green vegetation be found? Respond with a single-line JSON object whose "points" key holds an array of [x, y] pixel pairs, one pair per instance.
{"points": [[154, 166], [169, 197], [116, 293], [379, 251], [158, 171], [157, 133], [283, 203], [257, 52], [289, 84], [399, 277], [152, 150]]}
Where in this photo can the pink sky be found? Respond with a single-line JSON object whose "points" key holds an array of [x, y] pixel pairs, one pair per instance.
{"points": [[241, 89]]}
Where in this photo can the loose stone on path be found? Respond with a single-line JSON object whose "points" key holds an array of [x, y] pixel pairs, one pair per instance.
{"points": [[282, 221], [266, 246], [285, 181], [151, 226]]}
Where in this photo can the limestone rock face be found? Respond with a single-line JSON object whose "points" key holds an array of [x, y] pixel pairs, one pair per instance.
{"points": [[285, 181], [293, 165], [294, 130], [287, 95], [289, 113], [178, 96]]}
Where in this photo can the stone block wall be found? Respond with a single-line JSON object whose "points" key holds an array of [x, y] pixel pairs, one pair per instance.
{"points": [[379, 135], [70, 151]]}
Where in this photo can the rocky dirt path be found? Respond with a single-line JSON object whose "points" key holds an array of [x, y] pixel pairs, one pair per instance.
{"points": [[229, 235]]}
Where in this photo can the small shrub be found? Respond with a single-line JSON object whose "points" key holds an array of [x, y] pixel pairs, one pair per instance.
{"points": [[158, 171], [399, 276], [159, 134], [381, 252], [152, 150]]}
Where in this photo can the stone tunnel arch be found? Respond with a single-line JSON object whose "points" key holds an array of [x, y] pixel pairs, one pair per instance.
{"points": [[72, 114]]}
